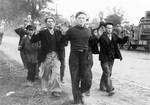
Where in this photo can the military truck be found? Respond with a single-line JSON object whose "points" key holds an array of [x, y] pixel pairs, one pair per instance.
{"points": [[141, 37]]}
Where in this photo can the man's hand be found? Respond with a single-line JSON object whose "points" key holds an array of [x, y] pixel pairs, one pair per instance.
{"points": [[64, 30], [96, 33], [99, 32], [19, 48], [38, 28]]}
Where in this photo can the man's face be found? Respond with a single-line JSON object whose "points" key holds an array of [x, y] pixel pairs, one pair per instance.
{"points": [[109, 28], [87, 24], [31, 31], [50, 23], [81, 20], [119, 28]]}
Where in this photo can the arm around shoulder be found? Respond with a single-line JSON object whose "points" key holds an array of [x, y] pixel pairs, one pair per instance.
{"points": [[17, 31], [122, 40], [36, 37]]}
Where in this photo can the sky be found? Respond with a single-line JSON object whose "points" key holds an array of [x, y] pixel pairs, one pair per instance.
{"points": [[133, 9]]}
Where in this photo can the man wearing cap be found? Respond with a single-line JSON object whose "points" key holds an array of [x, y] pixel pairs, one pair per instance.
{"points": [[21, 32], [109, 51], [79, 37], [49, 56], [93, 48], [30, 50]]}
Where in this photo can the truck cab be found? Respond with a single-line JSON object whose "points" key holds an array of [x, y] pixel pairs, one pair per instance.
{"points": [[142, 33]]}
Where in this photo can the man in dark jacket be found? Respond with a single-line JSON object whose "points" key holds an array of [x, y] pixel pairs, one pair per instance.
{"points": [[30, 51], [49, 56], [21, 32], [109, 51]]}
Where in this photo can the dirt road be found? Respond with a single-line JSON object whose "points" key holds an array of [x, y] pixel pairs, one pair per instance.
{"points": [[130, 78]]}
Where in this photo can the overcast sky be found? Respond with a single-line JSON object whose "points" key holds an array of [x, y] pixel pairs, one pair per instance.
{"points": [[133, 9]]}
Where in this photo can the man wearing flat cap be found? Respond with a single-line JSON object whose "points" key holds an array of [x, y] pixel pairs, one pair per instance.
{"points": [[21, 32], [49, 56], [109, 51], [30, 50]]}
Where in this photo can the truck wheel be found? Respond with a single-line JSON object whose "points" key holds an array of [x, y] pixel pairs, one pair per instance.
{"points": [[146, 48], [134, 47]]}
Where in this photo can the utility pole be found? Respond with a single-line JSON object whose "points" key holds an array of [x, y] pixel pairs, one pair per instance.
{"points": [[56, 10], [56, 15]]}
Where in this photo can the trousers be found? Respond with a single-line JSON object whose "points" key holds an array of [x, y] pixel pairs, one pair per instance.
{"points": [[80, 75], [106, 82], [62, 67], [50, 71], [31, 71]]}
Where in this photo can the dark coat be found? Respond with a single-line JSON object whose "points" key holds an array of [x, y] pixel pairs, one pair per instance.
{"points": [[44, 37], [30, 49], [105, 46]]}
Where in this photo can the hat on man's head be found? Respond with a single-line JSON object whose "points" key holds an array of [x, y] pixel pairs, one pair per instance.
{"points": [[79, 13], [30, 27], [49, 17], [109, 23]]}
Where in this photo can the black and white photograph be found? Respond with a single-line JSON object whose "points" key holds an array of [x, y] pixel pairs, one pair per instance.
{"points": [[74, 52]]}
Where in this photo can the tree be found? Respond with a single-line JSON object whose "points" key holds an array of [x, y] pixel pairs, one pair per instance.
{"points": [[95, 22], [9, 9], [115, 19], [34, 7], [116, 16], [12, 9]]}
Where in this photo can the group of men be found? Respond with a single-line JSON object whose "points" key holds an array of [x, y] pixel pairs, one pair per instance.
{"points": [[82, 41]]}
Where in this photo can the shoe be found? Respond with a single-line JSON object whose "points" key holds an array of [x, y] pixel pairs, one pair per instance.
{"points": [[87, 93], [28, 84], [81, 98], [55, 94], [45, 90], [62, 81], [82, 101], [36, 77], [77, 104], [101, 89], [111, 93]]}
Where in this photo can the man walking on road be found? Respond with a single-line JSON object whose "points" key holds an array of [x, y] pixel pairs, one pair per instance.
{"points": [[49, 56], [109, 51], [30, 51], [79, 57]]}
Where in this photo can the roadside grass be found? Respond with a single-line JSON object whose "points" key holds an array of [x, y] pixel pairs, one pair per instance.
{"points": [[12, 76]]}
